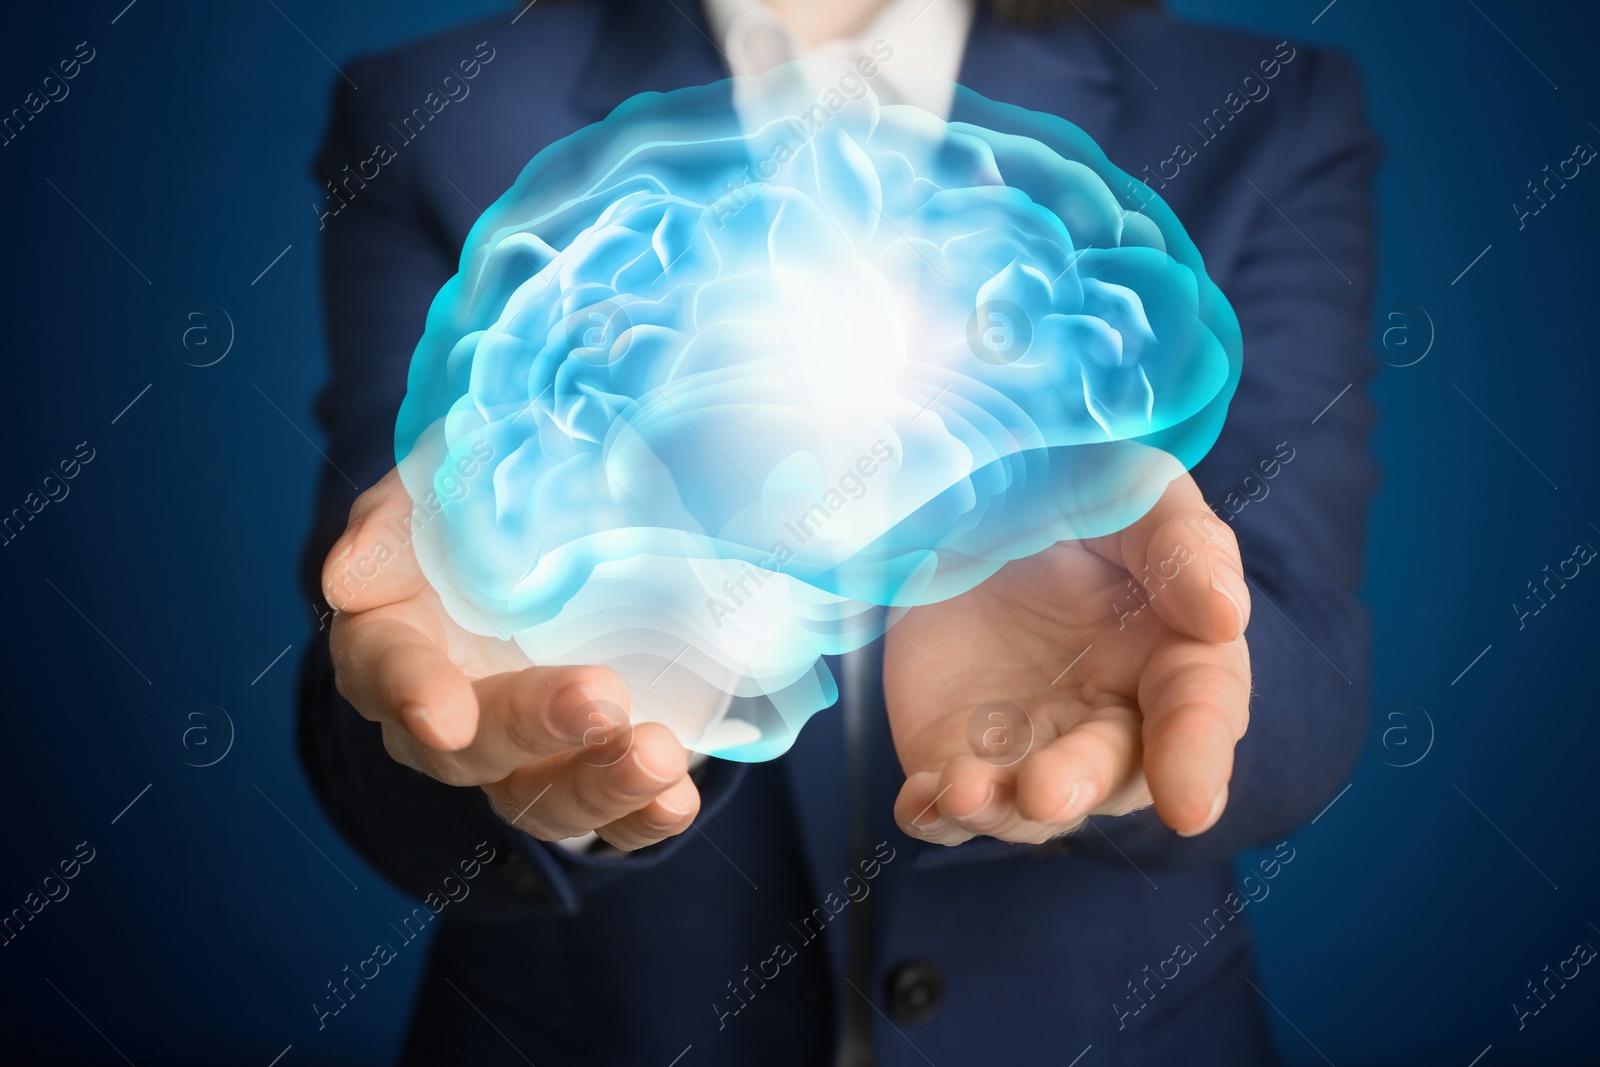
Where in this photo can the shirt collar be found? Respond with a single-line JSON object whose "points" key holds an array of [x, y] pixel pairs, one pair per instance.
{"points": [[926, 39]]}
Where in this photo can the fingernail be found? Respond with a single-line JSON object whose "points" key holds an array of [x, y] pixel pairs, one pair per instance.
{"points": [[571, 720], [676, 800], [346, 542], [414, 715], [1211, 818], [1229, 581], [1078, 800], [987, 814], [659, 780], [936, 825]]}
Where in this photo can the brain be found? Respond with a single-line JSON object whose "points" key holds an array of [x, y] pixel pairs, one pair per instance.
{"points": [[713, 397]]}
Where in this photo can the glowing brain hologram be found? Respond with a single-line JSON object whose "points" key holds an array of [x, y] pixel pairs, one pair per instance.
{"points": [[713, 397]]}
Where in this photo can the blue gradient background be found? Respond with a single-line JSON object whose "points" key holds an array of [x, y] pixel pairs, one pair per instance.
{"points": [[205, 925]]}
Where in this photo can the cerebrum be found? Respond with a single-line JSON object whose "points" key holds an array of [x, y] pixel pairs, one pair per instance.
{"points": [[735, 391]]}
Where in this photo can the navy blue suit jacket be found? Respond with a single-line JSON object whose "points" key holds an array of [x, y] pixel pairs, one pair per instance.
{"points": [[753, 936]]}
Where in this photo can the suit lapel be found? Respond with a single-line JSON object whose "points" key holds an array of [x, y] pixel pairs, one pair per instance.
{"points": [[646, 46], [1069, 70]]}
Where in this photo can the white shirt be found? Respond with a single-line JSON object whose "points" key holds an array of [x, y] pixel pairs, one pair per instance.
{"points": [[928, 38]]}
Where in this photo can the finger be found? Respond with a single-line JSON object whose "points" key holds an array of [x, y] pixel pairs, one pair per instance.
{"points": [[977, 796], [537, 712], [389, 663], [393, 670], [1196, 703], [916, 810], [1092, 767], [981, 800], [372, 563], [1185, 564], [667, 815], [567, 795], [533, 714]]}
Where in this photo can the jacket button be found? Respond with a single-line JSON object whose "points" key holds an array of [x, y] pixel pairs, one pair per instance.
{"points": [[913, 992]]}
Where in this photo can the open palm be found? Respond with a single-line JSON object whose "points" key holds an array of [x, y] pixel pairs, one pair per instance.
{"points": [[1096, 677]]}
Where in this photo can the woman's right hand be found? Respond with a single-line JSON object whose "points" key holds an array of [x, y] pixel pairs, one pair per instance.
{"points": [[551, 746]]}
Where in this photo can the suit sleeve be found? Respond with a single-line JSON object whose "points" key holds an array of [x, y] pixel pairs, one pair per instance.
{"points": [[1293, 474], [384, 256]]}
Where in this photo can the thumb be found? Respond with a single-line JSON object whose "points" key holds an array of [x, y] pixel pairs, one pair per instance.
{"points": [[372, 562], [1185, 564]]}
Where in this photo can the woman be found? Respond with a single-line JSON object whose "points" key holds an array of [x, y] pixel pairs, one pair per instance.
{"points": [[879, 894]]}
